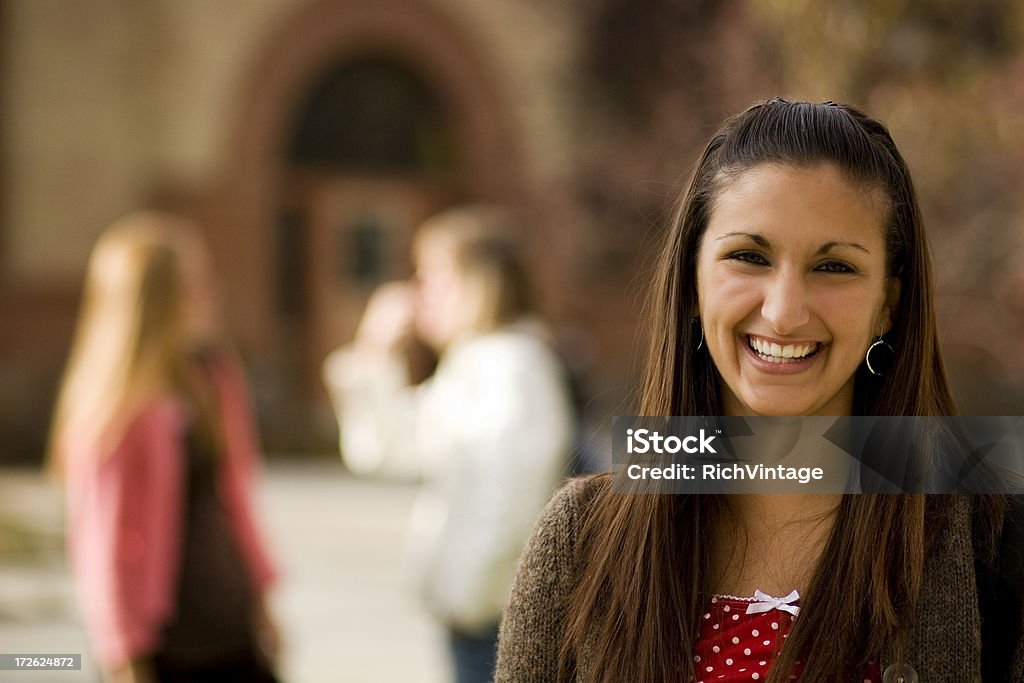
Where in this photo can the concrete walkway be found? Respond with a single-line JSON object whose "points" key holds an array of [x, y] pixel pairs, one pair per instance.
{"points": [[343, 612]]}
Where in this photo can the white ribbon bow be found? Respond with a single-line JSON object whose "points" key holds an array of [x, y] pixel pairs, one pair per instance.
{"points": [[766, 603]]}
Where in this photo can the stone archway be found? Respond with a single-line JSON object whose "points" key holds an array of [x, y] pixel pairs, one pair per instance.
{"points": [[245, 207]]}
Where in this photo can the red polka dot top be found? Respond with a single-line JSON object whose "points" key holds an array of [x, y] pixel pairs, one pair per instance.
{"points": [[740, 636]]}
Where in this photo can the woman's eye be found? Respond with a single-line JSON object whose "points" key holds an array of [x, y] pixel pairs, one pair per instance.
{"points": [[835, 267], [751, 257]]}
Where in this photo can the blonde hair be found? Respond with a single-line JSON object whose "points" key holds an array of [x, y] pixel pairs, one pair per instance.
{"points": [[130, 342], [484, 248]]}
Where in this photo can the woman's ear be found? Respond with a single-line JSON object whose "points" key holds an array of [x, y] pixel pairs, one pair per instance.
{"points": [[892, 300]]}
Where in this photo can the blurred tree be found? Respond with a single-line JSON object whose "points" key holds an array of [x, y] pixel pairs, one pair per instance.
{"points": [[661, 75]]}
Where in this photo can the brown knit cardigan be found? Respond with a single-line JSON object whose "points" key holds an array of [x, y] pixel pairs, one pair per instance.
{"points": [[944, 643]]}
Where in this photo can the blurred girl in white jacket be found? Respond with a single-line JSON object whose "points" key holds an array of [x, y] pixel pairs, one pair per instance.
{"points": [[490, 431]]}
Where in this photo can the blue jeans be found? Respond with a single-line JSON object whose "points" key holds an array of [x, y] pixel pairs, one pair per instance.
{"points": [[473, 655]]}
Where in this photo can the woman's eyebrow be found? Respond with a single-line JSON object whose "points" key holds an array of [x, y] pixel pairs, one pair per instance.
{"points": [[755, 237], [828, 246], [760, 240]]}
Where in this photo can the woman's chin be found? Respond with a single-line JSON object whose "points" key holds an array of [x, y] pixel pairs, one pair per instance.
{"points": [[778, 411], [794, 407], [777, 404]]}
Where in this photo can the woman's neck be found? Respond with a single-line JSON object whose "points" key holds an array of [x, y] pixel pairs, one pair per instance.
{"points": [[772, 542]]}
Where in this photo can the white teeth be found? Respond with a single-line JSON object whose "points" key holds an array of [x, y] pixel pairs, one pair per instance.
{"points": [[778, 353]]}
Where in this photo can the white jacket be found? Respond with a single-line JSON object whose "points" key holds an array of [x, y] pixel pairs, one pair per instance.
{"points": [[490, 432]]}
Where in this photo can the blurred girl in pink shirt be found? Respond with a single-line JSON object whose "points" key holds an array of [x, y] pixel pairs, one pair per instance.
{"points": [[154, 441]]}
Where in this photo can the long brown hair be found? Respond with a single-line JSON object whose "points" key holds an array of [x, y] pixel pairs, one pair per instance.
{"points": [[647, 581]]}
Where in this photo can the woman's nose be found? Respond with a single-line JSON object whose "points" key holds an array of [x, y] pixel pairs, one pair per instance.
{"points": [[785, 306]]}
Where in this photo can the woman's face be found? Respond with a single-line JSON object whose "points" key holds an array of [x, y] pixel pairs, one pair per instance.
{"points": [[792, 287], [201, 317], [440, 294]]}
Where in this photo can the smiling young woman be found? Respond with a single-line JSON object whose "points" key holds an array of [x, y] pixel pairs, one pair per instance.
{"points": [[792, 283], [797, 245]]}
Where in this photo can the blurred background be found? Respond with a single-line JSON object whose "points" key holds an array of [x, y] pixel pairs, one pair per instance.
{"points": [[309, 137]]}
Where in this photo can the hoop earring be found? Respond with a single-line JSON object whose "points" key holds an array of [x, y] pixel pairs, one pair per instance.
{"points": [[701, 342], [878, 343]]}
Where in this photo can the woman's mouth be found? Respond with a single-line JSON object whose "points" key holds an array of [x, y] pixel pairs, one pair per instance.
{"points": [[782, 354]]}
